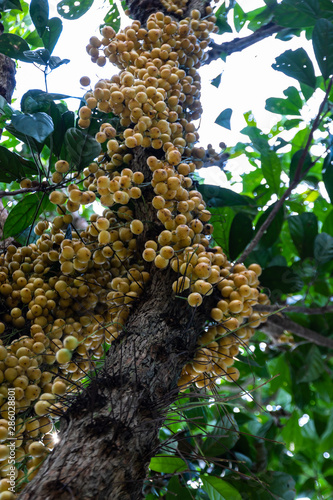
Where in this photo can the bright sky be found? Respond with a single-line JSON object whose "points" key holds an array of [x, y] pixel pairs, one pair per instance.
{"points": [[247, 80]]}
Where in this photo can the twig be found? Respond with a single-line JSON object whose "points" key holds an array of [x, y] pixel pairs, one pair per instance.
{"points": [[299, 330], [294, 309], [23, 190], [239, 44], [297, 178]]}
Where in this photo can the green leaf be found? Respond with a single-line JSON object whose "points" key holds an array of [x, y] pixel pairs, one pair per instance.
{"points": [[24, 213], [297, 64], [167, 464], [258, 138], [271, 169], [13, 46], [280, 279], [216, 81], [303, 230], [291, 432], [218, 489], [328, 175], [328, 224], [221, 20], [175, 490], [295, 161], [240, 235], [313, 366], [112, 18], [39, 56], [52, 33], [222, 438], [10, 166], [38, 126], [239, 17], [221, 197], [280, 484], [289, 106], [55, 62], [9, 5], [289, 13], [81, 148], [224, 118], [6, 110], [322, 40], [39, 13], [273, 231], [323, 248], [72, 9]]}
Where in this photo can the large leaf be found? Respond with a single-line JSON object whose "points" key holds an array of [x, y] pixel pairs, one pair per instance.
{"points": [[297, 64], [240, 235], [167, 464], [303, 230], [38, 126], [328, 224], [218, 489], [9, 5], [51, 33], [273, 231], [313, 366], [323, 248], [39, 13], [322, 40], [13, 46], [289, 106], [224, 118], [280, 279], [81, 148], [271, 169], [221, 197], [13, 167], [176, 491], [222, 438], [258, 138], [24, 213], [295, 162], [296, 13], [71, 9]]}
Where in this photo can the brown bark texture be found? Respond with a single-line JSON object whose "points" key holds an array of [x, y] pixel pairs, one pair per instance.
{"points": [[7, 77]]}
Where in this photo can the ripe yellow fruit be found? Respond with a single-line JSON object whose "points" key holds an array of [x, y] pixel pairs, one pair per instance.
{"points": [[63, 356]]}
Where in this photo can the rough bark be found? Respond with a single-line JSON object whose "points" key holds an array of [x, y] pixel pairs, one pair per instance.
{"points": [[7, 77]]}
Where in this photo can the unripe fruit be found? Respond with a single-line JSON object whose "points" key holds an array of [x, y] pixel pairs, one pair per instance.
{"points": [[63, 356]]}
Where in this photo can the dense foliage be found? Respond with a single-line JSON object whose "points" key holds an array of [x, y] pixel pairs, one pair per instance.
{"points": [[270, 434]]}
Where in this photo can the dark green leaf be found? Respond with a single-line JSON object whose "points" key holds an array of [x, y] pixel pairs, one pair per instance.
{"points": [[289, 106], [39, 56], [289, 13], [328, 175], [295, 162], [24, 214], [258, 138], [280, 484], [72, 9], [13, 46], [313, 366], [167, 464], [35, 145], [221, 197], [216, 81], [218, 489], [323, 248], [280, 279], [6, 110], [55, 62], [221, 20], [224, 118], [176, 491], [271, 169], [241, 233], [239, 17], [328, 224], [9, 5], [51, 33], [303, 231], [10, 166], [273, 231], [322, 40], [27, 236], [112, 18], [38, 126], [81, 149], [222, 438], [39, 13], [297, 64]]}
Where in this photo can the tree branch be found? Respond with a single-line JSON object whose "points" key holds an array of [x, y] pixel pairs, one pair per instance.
{"points": [[239, 44], [299, 175], [284, 323], [294, 309]]}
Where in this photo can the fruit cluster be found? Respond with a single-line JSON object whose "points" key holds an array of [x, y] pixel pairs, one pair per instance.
{"points": [[67, 297]]}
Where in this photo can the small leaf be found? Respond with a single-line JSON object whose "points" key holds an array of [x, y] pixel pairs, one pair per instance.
{"points": [[323, 248], [289, 106], [13, 46], [39, 13], [218, 489], [221, 197], [39, 125], [24, 213], [112, 18], [73, 9], [241, 233], [222, 438], [52, 33], [271, 169], [297, 64], [322, 40], [303, 229], [295, 162], [167, 464], [39, 56], [239, 17], [55, 62], [216, 81], [224, 118], [80, 148]]}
